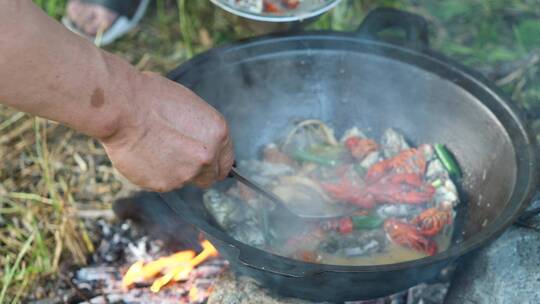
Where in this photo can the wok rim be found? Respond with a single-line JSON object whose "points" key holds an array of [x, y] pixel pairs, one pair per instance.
{"points": [[483, 238]]}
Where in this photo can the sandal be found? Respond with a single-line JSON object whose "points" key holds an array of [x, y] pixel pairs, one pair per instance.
{"points": [[130, 13]]}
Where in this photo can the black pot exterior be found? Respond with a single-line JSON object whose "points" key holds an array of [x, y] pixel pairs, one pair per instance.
{"points": [[262, 86], [331, 286]]}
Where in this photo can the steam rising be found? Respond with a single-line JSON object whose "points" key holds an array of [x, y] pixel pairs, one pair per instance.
{"points": [[296, 169], [266, 89]]}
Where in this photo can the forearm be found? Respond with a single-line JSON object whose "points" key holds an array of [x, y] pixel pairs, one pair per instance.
{"points": [[50, 72], [157, 133]]}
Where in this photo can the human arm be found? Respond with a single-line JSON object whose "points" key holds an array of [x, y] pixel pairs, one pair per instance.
{"points": [[157, 133]]}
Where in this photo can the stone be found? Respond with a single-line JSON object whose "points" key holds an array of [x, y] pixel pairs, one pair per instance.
{"points": [[507, 271], [230, 289], [427, 294]]}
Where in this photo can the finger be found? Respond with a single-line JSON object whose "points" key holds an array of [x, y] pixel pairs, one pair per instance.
{"points": [[222, 171], [226, 160], [217, 169], [206, 178]]}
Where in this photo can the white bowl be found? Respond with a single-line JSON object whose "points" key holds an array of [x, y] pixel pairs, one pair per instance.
{"points": [[306, 10]]}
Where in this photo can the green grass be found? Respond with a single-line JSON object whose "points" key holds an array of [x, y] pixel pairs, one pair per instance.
{"points": [[38, 197], [55, 8]]}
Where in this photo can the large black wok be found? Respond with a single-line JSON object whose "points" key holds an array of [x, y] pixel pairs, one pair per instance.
{"points": [[264, 85]]}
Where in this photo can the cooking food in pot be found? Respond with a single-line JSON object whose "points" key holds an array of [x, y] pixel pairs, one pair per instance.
{"points": [[405, 197], [266, 6]]}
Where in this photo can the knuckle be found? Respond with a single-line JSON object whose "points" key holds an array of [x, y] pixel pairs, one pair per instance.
{"points": [[222, 128], [206, 157]]}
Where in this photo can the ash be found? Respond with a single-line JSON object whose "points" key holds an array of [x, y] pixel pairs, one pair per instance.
{"points": [[108, 281], [120, 246], [158, 233]]}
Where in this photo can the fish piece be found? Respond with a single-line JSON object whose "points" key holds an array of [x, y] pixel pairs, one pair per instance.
{"points": [[297, 185], [435, 170], [397, 211], [392, 143], [446, 193], [306, 134], [429, 152], [352, 132], [371, 247], [249, 233], [227, 210], [362, 243], [245, 192]]}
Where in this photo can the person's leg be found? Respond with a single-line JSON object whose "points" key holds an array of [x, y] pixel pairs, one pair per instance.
{"points": [[90, 17], [108, 19]]}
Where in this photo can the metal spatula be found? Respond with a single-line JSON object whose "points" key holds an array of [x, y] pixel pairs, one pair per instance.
{"points": [[317, 211]]}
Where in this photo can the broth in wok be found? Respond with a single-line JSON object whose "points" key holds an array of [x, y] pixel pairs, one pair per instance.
{"points": [[405, 197]]}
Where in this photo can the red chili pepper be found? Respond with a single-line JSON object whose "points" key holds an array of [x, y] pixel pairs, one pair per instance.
{"points": [[291, 4], [345, 225], [271, 7]]}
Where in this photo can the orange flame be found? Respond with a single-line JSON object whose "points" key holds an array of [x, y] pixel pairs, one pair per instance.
{"points": [[193, 294], [172, 268]]}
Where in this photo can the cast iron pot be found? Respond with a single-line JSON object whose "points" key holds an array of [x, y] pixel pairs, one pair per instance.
{"points": [[264, 85]]}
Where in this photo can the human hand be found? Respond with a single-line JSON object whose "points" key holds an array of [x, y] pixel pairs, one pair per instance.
{"points": [[157, 133], [170, 137]]}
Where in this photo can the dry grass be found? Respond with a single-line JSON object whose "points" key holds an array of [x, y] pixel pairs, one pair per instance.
{"points": [[48, 173], [52, 177]]}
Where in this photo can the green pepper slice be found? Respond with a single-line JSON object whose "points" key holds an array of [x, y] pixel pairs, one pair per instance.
{"points": [[437, 183], [320, 154], [448, 160], [366, 221]]}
